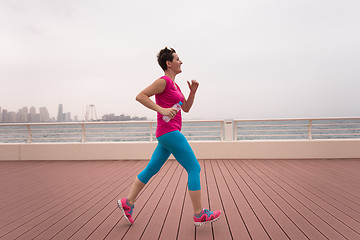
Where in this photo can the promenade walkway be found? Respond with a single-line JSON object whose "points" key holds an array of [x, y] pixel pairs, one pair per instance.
{"points": [[260, 199]]}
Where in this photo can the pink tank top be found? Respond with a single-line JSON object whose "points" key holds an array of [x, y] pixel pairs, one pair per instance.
{"points": [[168, 98]]}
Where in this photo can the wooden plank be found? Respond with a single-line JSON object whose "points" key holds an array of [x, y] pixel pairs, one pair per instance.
{"points": [[205, 231], [146, 215], [313, 214], [95, 217], [328, 170], [30, 183], [154, 227], [270, 224], [76, 215], [325, 175], [238, 190], [275, 205], [338, 167], [338, 201], [338, 220], [170, 227], [231, 211], [114, 219], [36, 194], [20, 218], [122, 227], [186, 224], [220, 227], [61, 205], [26, 182], [336, 192]]}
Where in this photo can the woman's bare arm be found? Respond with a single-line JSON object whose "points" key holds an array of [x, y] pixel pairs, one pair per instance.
{"points": [[155, 88]]}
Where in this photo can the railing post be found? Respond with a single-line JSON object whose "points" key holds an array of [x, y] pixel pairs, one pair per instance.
{"points": [[309, 130], [29, 133], [235, 131], [229, 132], [151, 132], [83, 133], [222, 131]]}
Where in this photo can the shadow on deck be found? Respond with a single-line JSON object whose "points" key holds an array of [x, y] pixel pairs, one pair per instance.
{"points": [[260, 199]]}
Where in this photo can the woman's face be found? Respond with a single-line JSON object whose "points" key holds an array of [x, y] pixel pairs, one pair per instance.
{"points": [[176, 64]]}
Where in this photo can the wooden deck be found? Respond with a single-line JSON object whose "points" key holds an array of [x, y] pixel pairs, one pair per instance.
{"points": [[260, 199]]}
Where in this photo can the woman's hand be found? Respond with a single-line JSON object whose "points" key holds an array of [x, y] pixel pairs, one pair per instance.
{"points": [[193, 86], [170, 112]]}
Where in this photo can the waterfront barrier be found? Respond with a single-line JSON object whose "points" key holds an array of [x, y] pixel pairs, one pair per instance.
{"points": [[218, 139]]}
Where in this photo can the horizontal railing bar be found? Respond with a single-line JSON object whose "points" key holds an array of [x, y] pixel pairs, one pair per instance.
{"points": [[202, 136], [56, 129], [276, 130], [118, 137], [15, 134], [90, 138], [185, 127], [58, 138], [336, 124], [274, 135], [102, 133], [109, 128], [14, 138], [12, 130], [335, 129], [39, 134], [201, 132], [337, 134], [275, 125]]}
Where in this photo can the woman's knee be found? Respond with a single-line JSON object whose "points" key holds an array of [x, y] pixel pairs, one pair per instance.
{"points": [[148, 173], [197, 167]]}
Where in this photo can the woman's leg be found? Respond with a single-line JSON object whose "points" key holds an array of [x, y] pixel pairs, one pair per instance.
{"points": [[157, 160], [177, 144], [196, 200], [135, 190]]}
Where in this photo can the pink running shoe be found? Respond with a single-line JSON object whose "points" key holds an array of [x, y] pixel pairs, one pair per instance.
{"points": [[127, 209], [206, 216]]}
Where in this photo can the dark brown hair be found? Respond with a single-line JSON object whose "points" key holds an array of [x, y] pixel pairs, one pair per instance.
{"points": [[164, 55]]}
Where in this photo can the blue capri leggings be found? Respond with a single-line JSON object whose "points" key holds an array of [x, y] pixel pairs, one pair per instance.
{"points": [[173, 143]]}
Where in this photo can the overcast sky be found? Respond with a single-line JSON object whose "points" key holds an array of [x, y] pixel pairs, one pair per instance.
{"points": [[253, 59]]}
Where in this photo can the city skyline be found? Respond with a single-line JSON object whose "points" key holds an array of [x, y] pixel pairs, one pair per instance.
{"points": [[31, 115]]}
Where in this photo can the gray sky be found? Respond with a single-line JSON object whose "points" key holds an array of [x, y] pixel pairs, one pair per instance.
{"points": [[253, 59]]}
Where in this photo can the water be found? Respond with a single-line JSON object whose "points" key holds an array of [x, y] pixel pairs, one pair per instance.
{"points": [[298, 129], [194, 131], [104, 132]]}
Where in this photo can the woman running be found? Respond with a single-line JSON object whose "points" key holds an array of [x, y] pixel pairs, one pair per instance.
{"points": [[170, 139]]}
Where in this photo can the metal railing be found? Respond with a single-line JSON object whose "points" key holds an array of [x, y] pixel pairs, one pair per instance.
{"points": [[124, 131], [217, 130], [319, 128]]}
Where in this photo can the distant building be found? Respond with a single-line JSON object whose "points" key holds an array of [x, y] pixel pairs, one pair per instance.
{"points": [[11, 117], [61, 115], [68, 117], [44, 115], [32, 115], [122, 117], [4, 115], [22, 115]]}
